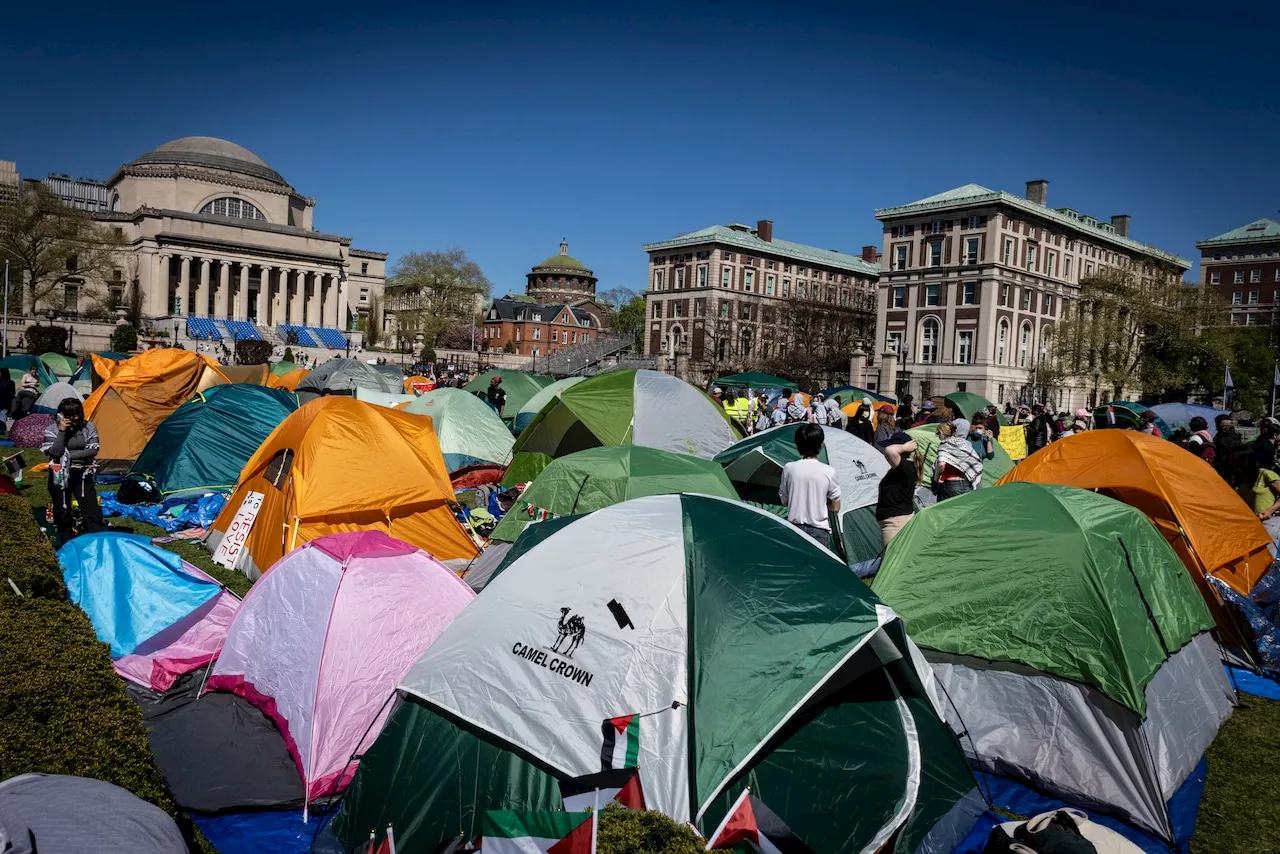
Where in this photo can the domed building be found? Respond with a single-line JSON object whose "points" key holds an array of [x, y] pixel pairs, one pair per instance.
{"points": [[561, 278], [221, 246]]}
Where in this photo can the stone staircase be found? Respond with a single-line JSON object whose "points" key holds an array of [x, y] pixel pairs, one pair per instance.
{"points": [[584, 360]]}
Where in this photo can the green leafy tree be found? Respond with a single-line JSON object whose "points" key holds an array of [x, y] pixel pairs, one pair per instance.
{"points": [[371, 323], [626, 831], [1252, 369], [629, 318], [124, 338], [430, 292], [50, 245], [509, 347]]}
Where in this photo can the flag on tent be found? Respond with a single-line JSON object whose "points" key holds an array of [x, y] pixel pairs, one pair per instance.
{"points": [[621, 747], [388, 845], [621, 785], [750, 825], [1275, 379], [1228, 384], [536, 832]]}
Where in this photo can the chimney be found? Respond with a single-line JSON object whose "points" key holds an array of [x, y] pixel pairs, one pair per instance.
{"points": [[764, 230], [871, 254], [1120, 222], [1038, 191]]}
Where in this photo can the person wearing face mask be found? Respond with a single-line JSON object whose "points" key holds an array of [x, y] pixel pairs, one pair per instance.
{"points": [[979, 437], [71, 444]]}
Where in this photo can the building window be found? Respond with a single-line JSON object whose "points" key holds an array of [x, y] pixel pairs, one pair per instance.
{"points": [[677, 308], [1239, 277], [900, 297], [657, 279], [679, 278], [1008, 250], [237, 208], [1253, 297], [1235, 318], [724, 308], [657, 310], [768, 285], [800, 290], [748, 280], [937, 226], [964, 348], [364, 295], [1002, 341], [71, 298], [1066, 268], [935, 253], [1027, 296], [1236, 297], [1004, 294], [724, 277], [1024, 345], [1255, 276], [786, 287], [1047, 306], [929, 341], [1277, 274], [969, 293], [900, 257], [702, 276], [744, 312], [1051, 264], [931, 294], [727, 256], [555, 336], [364, 268], [537, 333], [1250, 319], [973, 221], [1031, 256], [893, 342], [1216, 277], [971, 250]]}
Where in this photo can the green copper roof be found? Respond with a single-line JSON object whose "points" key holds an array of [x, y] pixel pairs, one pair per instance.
{"points": [[1261, 231], [976, 194], [559, 261], [781, 248]]}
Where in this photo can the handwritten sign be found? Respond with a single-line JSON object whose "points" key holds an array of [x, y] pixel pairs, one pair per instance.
{"points": [[231, 548]]}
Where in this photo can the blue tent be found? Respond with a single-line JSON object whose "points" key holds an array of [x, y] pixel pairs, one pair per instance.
{"points": [[206, 442], [131, 590], [1180, 414]]}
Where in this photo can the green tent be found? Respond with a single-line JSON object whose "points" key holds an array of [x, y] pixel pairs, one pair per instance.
{"points": [[281, 368], [926, 436], [622, 408], [850, 393], [525, 414], [62, 366], [599, 477], [755, 380], [1071, 640], [469, 431], [207, 441], [19, 365], [965, 403], [754, 466], [707, 643], [518, 385], [1126, 415]]}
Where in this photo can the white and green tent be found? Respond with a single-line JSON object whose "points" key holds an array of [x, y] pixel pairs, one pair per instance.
{"points": [[754, 467], [622, 408], [712, 642]]}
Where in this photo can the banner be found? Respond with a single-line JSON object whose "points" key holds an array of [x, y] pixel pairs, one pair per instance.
{"points": [[232, 546]]}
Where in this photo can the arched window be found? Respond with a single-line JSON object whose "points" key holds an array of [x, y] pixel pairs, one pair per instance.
{"points": [[1046, 342], [115, 201], [929, 341], [744, 341], [232, 207], [1024, 345], [1002, 341]]}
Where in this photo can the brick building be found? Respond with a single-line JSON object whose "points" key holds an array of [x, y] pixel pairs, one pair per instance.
{"points": [[558, 310], [1243, 266], [728, 297], [975, 281]]}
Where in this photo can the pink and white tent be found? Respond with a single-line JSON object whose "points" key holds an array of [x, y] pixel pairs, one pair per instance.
{"points": [[323, 638]]}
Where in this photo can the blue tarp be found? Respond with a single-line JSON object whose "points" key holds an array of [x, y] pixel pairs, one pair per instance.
{"points": [[267, 832], [1184, 807], [1180, 414], [131, 590], [1251, 683], [174, 514]]}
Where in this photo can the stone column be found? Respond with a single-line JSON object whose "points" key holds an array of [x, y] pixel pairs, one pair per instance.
{"points": [[857, 368], [241, 311], [329, 305], [314, 316], [184, 285], [222, 298], [201, 307], [264, 297], [278, 304], [888, 374], [160, 287], [298, 305]]}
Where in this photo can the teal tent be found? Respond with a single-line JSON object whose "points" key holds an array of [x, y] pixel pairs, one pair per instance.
{"points": [[756, 380], [1125, 414], [19, 365], [206, 442]]}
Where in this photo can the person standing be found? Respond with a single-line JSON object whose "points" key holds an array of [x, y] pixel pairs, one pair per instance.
{"points": [[496, 395], [957, 469], [896, 503], [717, 394], [818, 412], [71, 444], [835, 415], [886, 426], [1039, 429], [1225, 442], [860, 424], [809, 489], [980, 438]]}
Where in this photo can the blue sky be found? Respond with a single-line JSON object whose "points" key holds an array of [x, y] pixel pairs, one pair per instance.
{"points": [[502, 130]]}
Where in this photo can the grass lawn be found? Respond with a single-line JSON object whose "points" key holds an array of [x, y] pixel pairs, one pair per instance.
{"points": [[1237, 815]]}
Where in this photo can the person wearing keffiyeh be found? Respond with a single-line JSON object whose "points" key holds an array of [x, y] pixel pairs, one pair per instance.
{"points": [[71, 444], [957, 469]]}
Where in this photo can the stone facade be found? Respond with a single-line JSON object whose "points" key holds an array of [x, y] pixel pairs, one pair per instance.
{"points": [[1243, 266], [974, 281]]}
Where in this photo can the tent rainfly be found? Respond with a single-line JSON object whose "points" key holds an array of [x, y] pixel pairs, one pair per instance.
{"points": [[709, 644], [529, 411], [343, 377], [755, 380], [53, 813], [518, 385]]}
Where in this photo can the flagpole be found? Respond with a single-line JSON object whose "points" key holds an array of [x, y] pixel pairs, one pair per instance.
{"points": [[595, 822]]}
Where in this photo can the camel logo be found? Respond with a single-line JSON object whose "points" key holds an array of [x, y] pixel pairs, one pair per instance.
{"points": [[571, 629], [863, 472]]}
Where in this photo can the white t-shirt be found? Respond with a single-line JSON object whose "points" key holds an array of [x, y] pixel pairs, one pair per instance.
{"points": [[807, 486]]}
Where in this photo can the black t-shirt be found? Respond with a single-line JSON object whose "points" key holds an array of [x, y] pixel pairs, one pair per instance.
{"points": [[897, 491], [497, 396]]}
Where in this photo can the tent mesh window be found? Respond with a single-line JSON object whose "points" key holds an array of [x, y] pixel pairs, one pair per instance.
{"points": [[278, 468]]}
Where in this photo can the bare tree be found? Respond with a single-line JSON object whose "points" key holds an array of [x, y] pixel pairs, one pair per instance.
{"points": [[429, 292], [50, 245]]}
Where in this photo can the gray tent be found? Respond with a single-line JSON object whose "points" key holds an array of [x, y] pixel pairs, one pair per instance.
{"points": [[344, 376], [53, 814]]}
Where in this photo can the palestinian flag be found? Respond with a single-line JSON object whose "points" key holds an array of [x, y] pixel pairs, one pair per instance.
{"points": [[621, 747], [536, 832], [752, 826], [622, 785]]}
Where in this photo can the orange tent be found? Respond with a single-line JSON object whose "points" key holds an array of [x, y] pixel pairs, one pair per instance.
{"points": [[417, 384], [246, 374], [851, 409], [287, 381], [137, 394], [1207, 524], [325, 469]]}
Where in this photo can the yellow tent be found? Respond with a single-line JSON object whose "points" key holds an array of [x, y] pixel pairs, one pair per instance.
{"points": [[246, 374], [137, 394], [851, 409], [287, 381], [325, 470]]}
